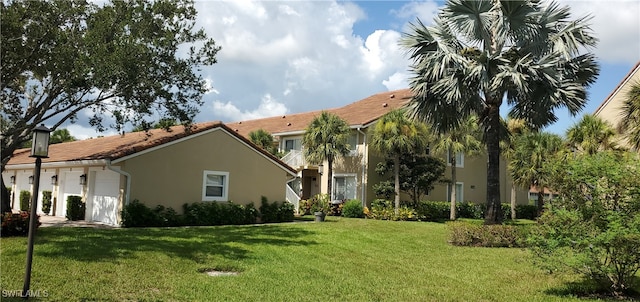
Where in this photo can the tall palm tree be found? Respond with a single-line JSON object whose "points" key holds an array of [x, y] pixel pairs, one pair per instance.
{"points": [[464, 139], [395, 134], [532, 151], [479, 53], [630, 124], [325, 138], [515, 129], [592, 134], [263, 139]]}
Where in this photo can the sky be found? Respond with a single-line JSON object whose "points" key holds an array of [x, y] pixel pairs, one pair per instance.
{"points": [[284, 57]]}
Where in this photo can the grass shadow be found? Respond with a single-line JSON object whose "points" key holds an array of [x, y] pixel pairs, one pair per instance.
{"points": [[589, 289], [94, 245]]}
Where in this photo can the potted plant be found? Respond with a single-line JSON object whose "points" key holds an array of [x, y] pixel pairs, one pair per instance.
{"points": [[320, 206]]}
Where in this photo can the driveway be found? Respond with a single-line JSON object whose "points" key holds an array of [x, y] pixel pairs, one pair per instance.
{"points": [[53, 221]]}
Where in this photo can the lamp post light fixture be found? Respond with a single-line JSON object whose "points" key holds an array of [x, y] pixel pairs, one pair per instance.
{"points": [[13, 179], [320, 169], [83, 179], [54, 180], [39, 150], [31, 179]]}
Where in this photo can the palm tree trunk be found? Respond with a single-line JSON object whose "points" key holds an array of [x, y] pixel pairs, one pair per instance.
{"points": [[493, 214], [452, 189], [396, 172], [540, 200], [330, 177], [513, 202]]}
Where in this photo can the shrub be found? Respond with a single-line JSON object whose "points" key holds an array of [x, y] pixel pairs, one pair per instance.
{"points": [[285, 212], [526, 211], [433, 210], [137, 214], [383, 209], [46, 202], [468, 234], [75, 208], [276, 212], [25, 199], [16, 224], [304, 207], [594, 227], [317, 203], [353, 209]]}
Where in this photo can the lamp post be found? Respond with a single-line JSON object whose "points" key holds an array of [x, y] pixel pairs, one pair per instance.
{"points": [[39, 150]]}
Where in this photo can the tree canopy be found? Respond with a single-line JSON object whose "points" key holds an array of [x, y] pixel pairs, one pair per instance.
{"points": [[119, 62], [479, 53]]}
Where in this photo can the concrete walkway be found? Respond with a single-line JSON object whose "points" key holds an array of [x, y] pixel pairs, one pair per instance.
{"points": [[53, 221]]}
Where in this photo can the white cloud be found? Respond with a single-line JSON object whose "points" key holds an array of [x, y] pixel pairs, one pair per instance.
{"points": [[208, 85], [396, 81], [616, 24], [425, 11], [81, 132], [268, 107]]}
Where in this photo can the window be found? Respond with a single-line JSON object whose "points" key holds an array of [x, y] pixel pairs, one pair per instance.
{"points": [[459, 192], [459, 159], [292, 144], [353, 144], [215, 186], [344, 187]]}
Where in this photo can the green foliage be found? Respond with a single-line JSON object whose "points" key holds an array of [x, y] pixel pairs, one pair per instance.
{"points": [[630, 120], [276, 212], [353, 209], [75, 208], [594, 227], [61, 136], [382, 209], [16, 224], [418, 174], [46, 202], [319, 203], [468, 234], [592, 134], [263, 139], [25, 200]]}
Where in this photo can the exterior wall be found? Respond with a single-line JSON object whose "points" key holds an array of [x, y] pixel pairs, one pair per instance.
{"points": [[173, 175]]}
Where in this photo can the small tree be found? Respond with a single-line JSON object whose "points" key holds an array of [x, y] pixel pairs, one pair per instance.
{"points": [[594, 227], [25, 199], [263, 139], [418, 173]]}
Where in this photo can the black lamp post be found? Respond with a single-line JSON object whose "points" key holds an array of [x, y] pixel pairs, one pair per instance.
{"points": [[39, 150]]}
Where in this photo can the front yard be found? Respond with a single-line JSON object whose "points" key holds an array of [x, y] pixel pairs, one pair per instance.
{"points": [[339, 260]]}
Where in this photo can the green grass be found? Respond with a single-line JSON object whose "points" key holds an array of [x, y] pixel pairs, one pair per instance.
{"points": [[338, 260]]}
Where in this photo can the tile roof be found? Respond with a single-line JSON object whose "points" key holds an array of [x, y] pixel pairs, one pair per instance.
{"points": [[359, 113], [118, 146]]}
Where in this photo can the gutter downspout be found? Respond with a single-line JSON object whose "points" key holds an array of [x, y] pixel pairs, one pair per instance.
{"points": [[128, 185], [364, 157]]}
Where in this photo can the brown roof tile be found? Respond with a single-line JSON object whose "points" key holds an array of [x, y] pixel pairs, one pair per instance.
{"points": [[361, 112]]}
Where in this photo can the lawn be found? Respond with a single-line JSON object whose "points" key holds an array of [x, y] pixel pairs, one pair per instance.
{"points": [[338, 260]]}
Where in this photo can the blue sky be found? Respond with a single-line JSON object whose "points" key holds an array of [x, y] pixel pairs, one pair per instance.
{"points": [[283, 57]]}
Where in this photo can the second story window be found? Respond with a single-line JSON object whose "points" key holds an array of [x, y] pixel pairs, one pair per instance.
{"points": [[292, 144]]}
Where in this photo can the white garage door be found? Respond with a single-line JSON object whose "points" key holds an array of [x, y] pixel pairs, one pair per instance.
{"points": [[104, 198]]}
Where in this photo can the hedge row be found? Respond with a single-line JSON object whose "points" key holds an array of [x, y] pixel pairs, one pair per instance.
{"points": [[439, 211], [137, 214]]}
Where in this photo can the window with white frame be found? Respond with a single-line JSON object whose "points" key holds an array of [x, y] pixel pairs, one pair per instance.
{"points": [[459, 159], [344, 187], [215, 186], [459, 192], [292, 144]]}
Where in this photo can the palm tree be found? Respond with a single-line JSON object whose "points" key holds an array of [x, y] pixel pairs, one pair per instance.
{"points": [[591, 134], [631, 116], [262, 139], [325, 138], [479, 53], [515, 128], [395, 134], [61, 136], [532, 151], [464, 139]]}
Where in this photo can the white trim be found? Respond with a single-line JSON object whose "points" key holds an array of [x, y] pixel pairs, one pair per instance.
{"points": [[621, 85], [333, 182], [225, 186], [60, 164]]}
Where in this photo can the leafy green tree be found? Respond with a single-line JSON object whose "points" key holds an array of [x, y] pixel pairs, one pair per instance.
{"points": [[418, 174], [465, 139], [61, 136], [592, 134], [532, 152], [326, 139], [594, 227], [479, 53], [395, 134], [121, 61], [630, 123], [263, 139], [163, 123]]}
